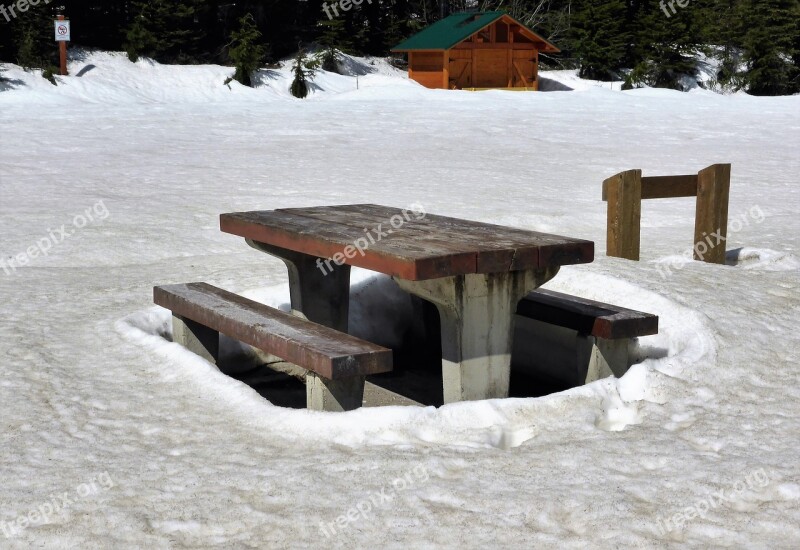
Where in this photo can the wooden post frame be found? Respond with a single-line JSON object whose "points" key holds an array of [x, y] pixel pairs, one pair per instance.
{"points": [[624, 193], [711, 219]]}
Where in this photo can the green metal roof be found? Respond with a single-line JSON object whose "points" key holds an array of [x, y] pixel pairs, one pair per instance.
{"points": [[451, 30], [447, 32]]}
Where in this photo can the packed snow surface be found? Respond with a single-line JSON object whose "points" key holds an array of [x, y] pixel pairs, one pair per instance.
{"points": [[113, 437]]}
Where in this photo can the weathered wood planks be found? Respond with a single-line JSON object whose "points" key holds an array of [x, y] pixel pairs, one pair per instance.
{"points": [[587, 316], [624, 195], [317, 348], [399, 243]]}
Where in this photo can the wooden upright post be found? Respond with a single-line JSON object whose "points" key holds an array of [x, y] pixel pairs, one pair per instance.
{"points": [[711, 219], [62, 52], [624, 194], [446, 70]]}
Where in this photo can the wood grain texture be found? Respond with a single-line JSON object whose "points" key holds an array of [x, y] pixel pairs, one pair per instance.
{"points": [[412, 249], [587, 316], [664, 187], [624, 194], [711, 218], [320, 349], [667, 187]]}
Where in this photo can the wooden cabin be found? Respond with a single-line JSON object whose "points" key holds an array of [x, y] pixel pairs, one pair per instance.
{"points": [[474, 51]]}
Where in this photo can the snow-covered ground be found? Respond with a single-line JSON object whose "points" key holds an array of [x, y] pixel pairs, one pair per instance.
{"points": [[111, 437]]}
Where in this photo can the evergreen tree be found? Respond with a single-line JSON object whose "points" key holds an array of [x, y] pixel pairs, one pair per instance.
{"points": [[141, 38], [167, 30], [600, 40], [302, 74], [723, 31], [769, 47], [246, 50], [333, 38], [333, 34], [32, 34], [666, 45]]}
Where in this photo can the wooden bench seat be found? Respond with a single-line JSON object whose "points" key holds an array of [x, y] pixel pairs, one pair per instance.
{"points": [[559, 330], [336, 362]]}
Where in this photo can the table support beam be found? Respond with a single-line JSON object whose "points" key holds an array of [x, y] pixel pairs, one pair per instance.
{"points": [[319, 296], [477, 315]]}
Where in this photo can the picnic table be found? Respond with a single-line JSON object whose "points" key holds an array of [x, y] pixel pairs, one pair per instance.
{"points": [[475, 273]]}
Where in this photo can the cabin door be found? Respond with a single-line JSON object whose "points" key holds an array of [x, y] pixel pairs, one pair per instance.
{"points": [[524, 68], [491, 69], [460, 69]]}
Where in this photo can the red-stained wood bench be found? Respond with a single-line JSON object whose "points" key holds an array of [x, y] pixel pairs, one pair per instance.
{"points": [[591, 339], [336, 362]]}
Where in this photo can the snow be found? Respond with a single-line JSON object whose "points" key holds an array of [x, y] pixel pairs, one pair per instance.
{"points": [[696, 445]]}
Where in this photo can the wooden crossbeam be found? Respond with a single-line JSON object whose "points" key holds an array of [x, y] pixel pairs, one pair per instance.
{"points": [[664, 187], [521, 76]]}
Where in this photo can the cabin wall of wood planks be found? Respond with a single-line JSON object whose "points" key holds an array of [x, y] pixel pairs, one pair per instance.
{"points": [[499, 56]]}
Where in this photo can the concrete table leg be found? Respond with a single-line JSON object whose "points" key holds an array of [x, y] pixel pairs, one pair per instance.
{"points": [[320, 297], [477, 316], [324, 298], [601, 357], [196, 338]]}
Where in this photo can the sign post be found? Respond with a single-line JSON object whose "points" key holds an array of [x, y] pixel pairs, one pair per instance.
{"points": [[63, 35]]}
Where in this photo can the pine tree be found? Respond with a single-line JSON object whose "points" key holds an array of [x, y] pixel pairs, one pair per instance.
{"points": [[302, 74], [167, 30], [723, 30], [599, 38], [32, 33], [246, 50], [769, 47], [333, 33], [333, 38], [141, 40], [665, 45]]}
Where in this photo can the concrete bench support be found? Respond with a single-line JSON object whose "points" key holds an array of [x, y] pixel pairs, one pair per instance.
{"points": [[336, 363], [195, 337], [605, 357], [574, 339], [323, 394]]}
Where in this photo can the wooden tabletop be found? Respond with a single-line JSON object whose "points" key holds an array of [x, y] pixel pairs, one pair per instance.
{"points": [[423, 246]]}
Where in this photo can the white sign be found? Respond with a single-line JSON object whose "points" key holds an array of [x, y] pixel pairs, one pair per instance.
{"points": [[62, 31]]}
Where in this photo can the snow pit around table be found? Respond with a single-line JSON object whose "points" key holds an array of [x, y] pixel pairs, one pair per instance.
{"points": [[684, 340]]}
